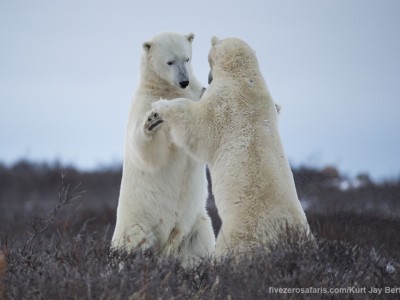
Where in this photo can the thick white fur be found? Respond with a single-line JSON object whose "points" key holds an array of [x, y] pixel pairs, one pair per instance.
{"points": [[163, 190], [234, 129]]}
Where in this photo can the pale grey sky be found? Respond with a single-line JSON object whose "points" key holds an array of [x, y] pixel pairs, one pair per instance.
{"points": [[68, 70]]}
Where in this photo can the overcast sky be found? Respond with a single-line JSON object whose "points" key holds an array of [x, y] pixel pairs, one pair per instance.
{"points": [[68, 70]]}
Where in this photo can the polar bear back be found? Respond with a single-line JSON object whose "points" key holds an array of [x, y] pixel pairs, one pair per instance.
{"points": [[252, 180]]}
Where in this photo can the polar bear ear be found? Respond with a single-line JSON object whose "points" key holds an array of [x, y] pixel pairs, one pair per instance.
{"points": [[147, 46], [215, 41], [278, 108], [190, 37]]}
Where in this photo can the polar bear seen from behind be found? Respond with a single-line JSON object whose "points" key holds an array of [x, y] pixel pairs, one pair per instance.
{"points": [[234, 129], [163, 190]]}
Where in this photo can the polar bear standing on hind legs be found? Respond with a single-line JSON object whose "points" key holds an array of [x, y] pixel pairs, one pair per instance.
{"points": [[163, 190], [234, 129]]}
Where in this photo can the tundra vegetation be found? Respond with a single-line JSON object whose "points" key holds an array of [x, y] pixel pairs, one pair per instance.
{"points": [[56, 224]]}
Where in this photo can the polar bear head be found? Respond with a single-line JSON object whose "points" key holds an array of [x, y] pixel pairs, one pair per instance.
{"points": [[169, 55], [231, 57]]}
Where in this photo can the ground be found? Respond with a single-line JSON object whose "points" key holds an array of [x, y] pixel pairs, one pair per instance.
{"points": [[61, 251]]}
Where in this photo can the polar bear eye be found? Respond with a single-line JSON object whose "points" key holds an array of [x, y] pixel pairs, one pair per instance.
{"points": [[187, 60], [170, 63]]}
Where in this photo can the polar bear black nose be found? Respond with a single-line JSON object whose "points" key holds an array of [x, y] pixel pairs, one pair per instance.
{"points": [[184, 84]]}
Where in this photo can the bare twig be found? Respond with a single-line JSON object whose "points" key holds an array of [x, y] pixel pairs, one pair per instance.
{"points": [[67, 195]]}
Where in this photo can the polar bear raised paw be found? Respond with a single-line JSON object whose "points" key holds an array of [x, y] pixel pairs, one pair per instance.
{"points": [[153, 122]]}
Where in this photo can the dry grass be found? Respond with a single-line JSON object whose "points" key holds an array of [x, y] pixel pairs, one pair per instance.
{"points": [[3, 270], [60, 249]]}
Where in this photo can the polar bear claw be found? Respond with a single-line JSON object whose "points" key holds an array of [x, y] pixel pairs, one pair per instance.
{"points": [[153, 121]]}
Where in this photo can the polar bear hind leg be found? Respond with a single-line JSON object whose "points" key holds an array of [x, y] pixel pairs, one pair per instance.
{"points": [[200, 242], [133, 237]]}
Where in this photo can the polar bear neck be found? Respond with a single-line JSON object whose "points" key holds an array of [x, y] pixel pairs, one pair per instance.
{"points": [[158, 87], [237, 63]]}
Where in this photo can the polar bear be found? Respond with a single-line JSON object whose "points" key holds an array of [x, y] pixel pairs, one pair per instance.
{"points": [[234, 129], [163, 190]]}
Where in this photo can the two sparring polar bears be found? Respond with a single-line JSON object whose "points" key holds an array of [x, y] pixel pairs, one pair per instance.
{"points": [[163, 190], [234, 129]]}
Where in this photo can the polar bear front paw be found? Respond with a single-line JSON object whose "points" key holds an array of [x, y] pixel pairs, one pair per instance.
{"points": [[153, 121], [161, 106]]}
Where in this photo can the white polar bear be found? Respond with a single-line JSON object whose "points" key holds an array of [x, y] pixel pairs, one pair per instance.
{"points": [[234, 129], [163, 190]]}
